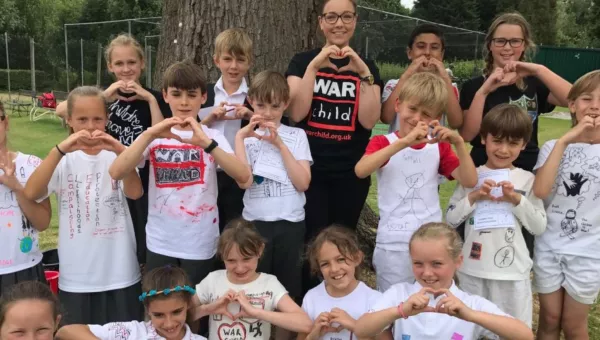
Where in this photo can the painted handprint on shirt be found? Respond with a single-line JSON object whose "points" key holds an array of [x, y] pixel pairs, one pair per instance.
{"points": [[574, 184]]}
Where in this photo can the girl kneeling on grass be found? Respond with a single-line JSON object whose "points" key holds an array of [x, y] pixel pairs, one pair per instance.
{"points": [[166, 298], [434, 307], [99, 281], [240, 301]]}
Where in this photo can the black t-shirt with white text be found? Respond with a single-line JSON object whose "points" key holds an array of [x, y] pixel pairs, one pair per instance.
{"points": [[534, 100], [127, 120], [337, 139]]}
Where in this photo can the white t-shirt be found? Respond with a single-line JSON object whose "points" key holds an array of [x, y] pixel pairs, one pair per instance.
{"points": [[357, 303], [264, 292], [498, 253], [134, 330], [18, 239], [96, 241], [435, 326], [572, 206], [228, 127], [183, 218], [269, 200]]}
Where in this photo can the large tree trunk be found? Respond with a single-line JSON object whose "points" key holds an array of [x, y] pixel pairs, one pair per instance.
{"points": [[366, 231], [278, 29]]}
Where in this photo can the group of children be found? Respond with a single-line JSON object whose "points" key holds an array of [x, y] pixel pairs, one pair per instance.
{"points": [[193, 153]]}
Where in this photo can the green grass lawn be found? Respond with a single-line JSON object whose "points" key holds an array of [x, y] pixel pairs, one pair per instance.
{"points": [[39, 137]]}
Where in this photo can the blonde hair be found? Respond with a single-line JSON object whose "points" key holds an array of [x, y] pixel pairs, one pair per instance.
{"points": [[440, 231], [269, 87], [123, 40], [585, 84], [428, 90], [84, 91], [234, 41], [517, 19]]}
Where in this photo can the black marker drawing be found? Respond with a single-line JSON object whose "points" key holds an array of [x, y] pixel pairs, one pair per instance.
{"points": [[510, 235], [413, 197], [569, 224], [504, 257], [574, 183]]}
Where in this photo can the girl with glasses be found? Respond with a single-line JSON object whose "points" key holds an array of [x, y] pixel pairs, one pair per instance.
{"points": [[335, 98], [508, 78]]}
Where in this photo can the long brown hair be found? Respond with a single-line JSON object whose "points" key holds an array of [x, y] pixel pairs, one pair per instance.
{"points": [[28, 290], [517, 19], [343, 238]]}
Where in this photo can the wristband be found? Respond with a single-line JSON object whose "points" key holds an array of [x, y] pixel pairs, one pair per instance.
{"points": [[401, 310], [211, 146], [60, 151]]}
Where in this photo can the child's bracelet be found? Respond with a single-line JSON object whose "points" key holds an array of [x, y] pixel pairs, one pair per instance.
{"points": [[60, 151], [401, 310]]}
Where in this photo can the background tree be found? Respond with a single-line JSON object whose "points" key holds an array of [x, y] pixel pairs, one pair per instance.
{"points": [[278, 29], [458, 13]]}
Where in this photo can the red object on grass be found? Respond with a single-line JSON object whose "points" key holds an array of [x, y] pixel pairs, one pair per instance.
{"points": [[52, 278]]}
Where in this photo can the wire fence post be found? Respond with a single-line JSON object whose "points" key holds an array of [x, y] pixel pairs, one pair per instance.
{"points": [[81, 54], [7, 61], [367, 47], [32, 57], [147, 54], [149, 68], [129, 26], [67, 58], [99, 65]]}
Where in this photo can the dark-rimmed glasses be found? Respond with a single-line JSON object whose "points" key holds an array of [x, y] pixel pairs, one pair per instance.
{"points": [[501, 42], [332, 17]]}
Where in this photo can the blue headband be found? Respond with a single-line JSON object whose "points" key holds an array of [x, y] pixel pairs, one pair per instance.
{"points": [[167, 291]]}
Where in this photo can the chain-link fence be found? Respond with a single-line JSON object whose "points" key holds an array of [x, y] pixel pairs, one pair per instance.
{"points": [[383, 36]]}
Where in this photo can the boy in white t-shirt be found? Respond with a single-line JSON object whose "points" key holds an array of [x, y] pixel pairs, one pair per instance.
{"points": [[426, 47], [497, 264], [183, 218], [280, 159], [407, 163]]}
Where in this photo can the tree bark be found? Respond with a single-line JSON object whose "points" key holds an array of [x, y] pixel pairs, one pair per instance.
{"points": [[366, 231], [278, 29]]}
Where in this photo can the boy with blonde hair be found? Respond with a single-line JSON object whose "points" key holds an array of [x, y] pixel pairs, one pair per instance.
{"points": [[407, 163], [230, 110]]}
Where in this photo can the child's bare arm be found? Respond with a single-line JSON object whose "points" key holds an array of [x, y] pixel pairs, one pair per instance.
{"points": [[546, 174], [368, 164], [75, 332], [466, 173], [240, 153]]}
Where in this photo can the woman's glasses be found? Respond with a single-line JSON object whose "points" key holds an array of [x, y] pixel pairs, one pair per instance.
{"points": [[332, 17], [501, 42]]}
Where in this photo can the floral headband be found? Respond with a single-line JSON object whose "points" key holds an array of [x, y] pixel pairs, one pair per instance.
{"points": [[167, 291]]}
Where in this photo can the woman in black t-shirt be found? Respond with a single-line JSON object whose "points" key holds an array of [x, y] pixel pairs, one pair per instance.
{"points": [[336, 100], [507, 79]]}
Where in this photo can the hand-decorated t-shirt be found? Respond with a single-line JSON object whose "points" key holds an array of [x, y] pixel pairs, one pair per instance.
{"points": [[127, 120], [357, 303], [134, 330], [436, 326], [183, 219], [534, 100], [96, 241], [336, 137], [264, 292], [18, 239], [572, 206], [267, 199]]}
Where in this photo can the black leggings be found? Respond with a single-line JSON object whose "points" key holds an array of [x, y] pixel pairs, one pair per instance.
{"points": [[331, 201]]}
